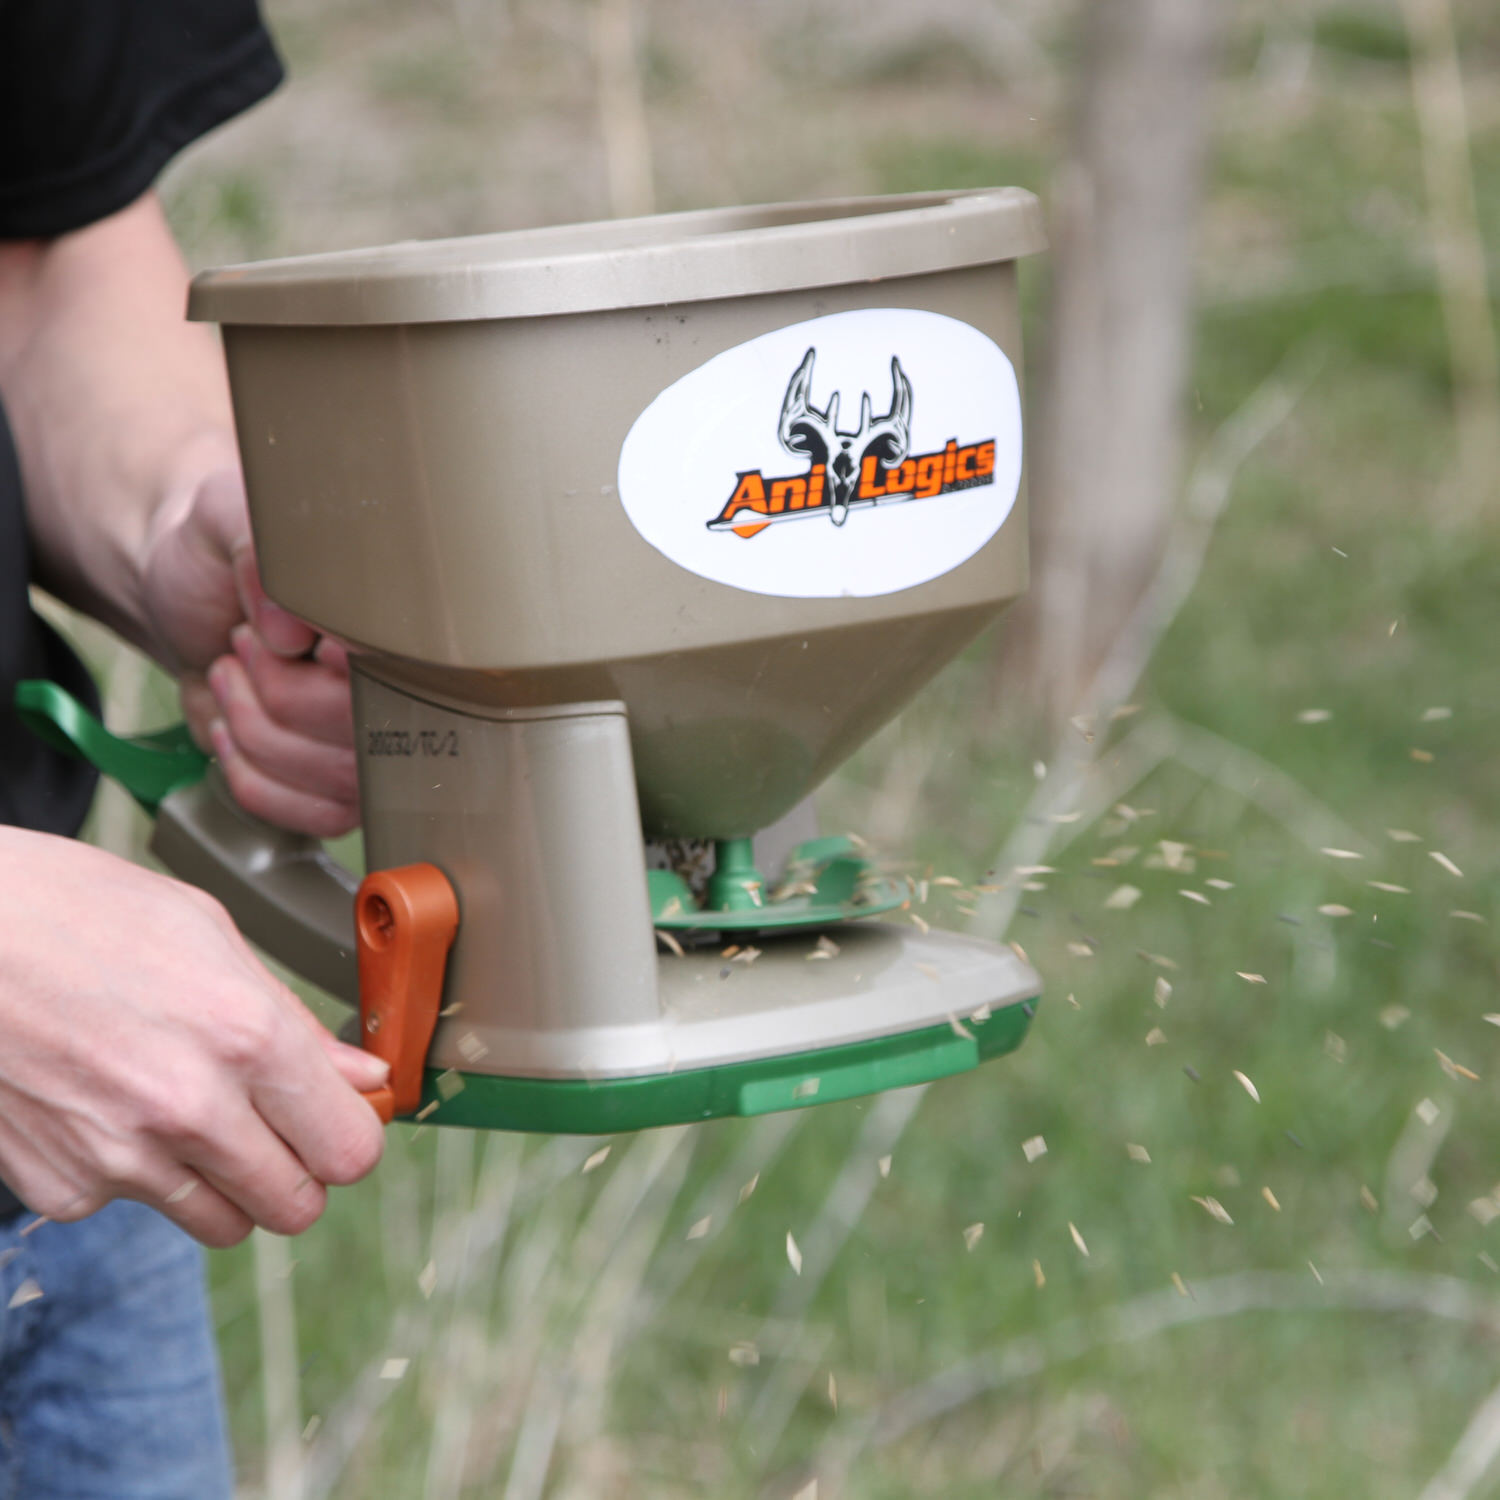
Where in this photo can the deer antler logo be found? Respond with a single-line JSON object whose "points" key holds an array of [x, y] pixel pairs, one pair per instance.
{"points": [[871, 466], [806, 432]]}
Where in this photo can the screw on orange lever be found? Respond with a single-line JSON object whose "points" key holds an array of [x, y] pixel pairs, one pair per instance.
{"points": [[404, 922]]}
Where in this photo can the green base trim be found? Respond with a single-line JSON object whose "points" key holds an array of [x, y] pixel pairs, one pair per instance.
{"points": [[758, 1087]]}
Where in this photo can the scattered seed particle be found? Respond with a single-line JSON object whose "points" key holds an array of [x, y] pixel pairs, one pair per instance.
{"points": [[793, 1254], [884, 1166], [35, 1224], [1078, 1240], [1488, 1260], [427, 1110], [1318, 1275], [28, 1291], [1181, 1285], [1019, 951], [701, 1228], [427, 1279], [1155, 1037], [1067, 817], [1138, 1153], [1368, 1200], [597, 1159], [1432, 715], [747, 955], [1340, 551], [1314, 716], [1162, 992], [1391, 631], [1220, 885], [833, 1391], [1034, 1147], [980, 1016], [948, 880], [178, 1194], [1341, 853], [1419, 1226], [310, 1428], [1334, 1046], [394, 1368], [671, 942], [1333, 909], [1197, 896], [1038, 1275], [744, 1354], [1122, 898], [1214, 1209], [1455, 1070], [922, 925], [1394, 1016], [1270, 1198], [1173, 854], [809, 1491], [1438, 857], [1081, 950], [1073, 1001], [1385, 885], [1403, 836], [1191, 1072], [1427, 1112], [958, 1028], [1160, 960], [930, 970], [826, 948], [1246, 1084], [1422, 757], [1249, 978], [1289, 919], [1468, 916], [448, 1083], [972, 1235]]}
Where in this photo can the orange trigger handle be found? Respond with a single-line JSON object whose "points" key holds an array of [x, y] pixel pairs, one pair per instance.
{"points": [[404, 923]]}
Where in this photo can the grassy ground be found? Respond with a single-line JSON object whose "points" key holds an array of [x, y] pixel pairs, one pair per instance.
{"points": [[569, 1338]]}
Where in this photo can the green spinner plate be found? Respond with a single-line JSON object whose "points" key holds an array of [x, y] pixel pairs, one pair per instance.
{"points": [[758, 1087]]}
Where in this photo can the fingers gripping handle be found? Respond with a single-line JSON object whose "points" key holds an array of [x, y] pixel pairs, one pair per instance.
{"points": [[404, 923]]}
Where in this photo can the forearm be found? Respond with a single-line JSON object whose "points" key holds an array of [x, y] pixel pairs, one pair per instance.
{"points": [[119, 406]]}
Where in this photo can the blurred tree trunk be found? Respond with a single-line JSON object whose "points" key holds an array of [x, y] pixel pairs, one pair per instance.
{"points": [[1107, 436]]}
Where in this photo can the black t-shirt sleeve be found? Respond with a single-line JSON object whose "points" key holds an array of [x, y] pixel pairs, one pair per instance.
{"points": [[96, 96]]}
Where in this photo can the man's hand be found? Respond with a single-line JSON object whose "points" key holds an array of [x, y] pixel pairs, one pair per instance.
{"points": [[148, 1055], [263, 691]]}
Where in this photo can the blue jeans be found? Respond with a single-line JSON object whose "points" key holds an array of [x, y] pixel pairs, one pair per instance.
{"points": [[109, 1381]]}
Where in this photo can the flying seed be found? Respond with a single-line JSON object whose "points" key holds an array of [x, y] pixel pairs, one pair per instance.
{"points": [[451, 1010], [1220, 885], [1214, 1209], [1423, 757], [1432, 715], [1368, 1200], [1033, 1148], [1317, 1276], [1468, 916], [1438, 857], [1036, 870], [1333, 909], [1073, 1001], [310, 1428], [427, 1110], [1493, 1018], [884, 1166], [671, 942], [1018, 950], [1488, 1261], [1078, 1239], [394, 1368], [1334, 1046], [1403, 836], [1080, 950], [958, 1028], [596, 1160], [1174, 855], [701, 1228], [826, 948], [1419, 1226], [1385, 885], [807, 1089], [1455, 1070], [730, 951], [922, 926], [747, 955], [1246, 1084], [1427, 1112], [1394, 1016], [448, 1083], [833, 1391], [948, 880], [178, 1194], [1314, 716], [1038, 1275], [744, 1354], [972, 1235], [1162, 992], [749, 1187], [1138, 1153], [1067, 817], [1249, 978], [1191, 1072], [1155, 1037], [809, 1491], [1341, 854], [930, 970], [1122, 898], [1160, 960], [793, 1254], [1270, 1198], [28, 1291], [980, 1016], [1197, 896], [1485, 1210], [1181, 1285]]}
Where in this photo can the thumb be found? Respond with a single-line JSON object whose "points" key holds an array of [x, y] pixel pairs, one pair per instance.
{"points": [[360, 1069]]}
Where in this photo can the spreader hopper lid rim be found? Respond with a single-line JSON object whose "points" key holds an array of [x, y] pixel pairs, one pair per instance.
{"points": [[667, 259]]}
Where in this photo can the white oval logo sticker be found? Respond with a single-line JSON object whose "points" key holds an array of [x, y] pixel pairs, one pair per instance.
{"points": [[857, 454]]}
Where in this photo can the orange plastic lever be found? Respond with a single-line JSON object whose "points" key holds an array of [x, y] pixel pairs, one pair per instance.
{"points": [[404, 922]]}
